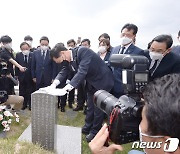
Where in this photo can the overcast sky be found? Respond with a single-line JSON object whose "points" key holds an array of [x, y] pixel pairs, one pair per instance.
{"points": [[62, 20]]}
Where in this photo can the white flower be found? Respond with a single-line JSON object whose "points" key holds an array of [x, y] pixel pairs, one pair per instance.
{"points": [[6, 126], [6, 129], [9, 121], [1, 117], [16, 115], [8, 114], [2, 107], [17, 119], [4, 123]]}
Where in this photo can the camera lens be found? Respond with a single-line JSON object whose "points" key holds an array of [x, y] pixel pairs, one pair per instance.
{"points": [[105, 101]]}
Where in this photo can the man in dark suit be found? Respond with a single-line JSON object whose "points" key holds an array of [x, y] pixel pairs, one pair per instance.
{"points": [[42, 65], [176, 49], [25, 78], [128, 34], [162, 60], [88, 66]]}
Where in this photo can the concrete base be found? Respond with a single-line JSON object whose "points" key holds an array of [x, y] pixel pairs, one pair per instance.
{"points": [[68, 139]]}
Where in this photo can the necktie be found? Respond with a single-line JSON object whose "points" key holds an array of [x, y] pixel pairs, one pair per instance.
{"points": [[122, 50], [25, 60], [154, 67], [43, 55]]}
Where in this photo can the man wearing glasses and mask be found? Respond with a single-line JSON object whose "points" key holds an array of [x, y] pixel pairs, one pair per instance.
{"points": [[162, 60]]}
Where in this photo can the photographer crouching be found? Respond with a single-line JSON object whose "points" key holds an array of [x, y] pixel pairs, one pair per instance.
{"points": [[7, 83], [160, 120]]}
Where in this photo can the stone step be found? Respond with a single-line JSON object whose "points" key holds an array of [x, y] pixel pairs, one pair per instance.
{"points": [[68, 139]]}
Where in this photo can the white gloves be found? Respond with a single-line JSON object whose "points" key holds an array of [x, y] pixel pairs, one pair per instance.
{"points": [[68, 87], [67, 81], [55, 83], [57, 92], [52, 90]]}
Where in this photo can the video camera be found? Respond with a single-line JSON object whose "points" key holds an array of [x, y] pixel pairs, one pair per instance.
{"points": [[3, 72], [125, 113], [3, 68]]}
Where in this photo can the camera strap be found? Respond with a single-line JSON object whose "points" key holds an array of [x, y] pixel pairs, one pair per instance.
{"points": [[114, 114]]}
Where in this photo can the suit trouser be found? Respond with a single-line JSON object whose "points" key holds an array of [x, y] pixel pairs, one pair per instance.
{"points": [[81, 94], [71, 96], [25, 90], [94, 116], [62, 100]]}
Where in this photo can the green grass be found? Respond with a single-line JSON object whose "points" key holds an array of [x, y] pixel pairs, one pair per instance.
{"points": [[10, 145]]}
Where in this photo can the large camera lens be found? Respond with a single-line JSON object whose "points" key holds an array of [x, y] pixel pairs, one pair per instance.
{"points": [[105, 101]]}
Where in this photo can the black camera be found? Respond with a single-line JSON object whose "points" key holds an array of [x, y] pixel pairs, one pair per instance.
{"points": [[3, 68], [134, 71], [125, 113]]}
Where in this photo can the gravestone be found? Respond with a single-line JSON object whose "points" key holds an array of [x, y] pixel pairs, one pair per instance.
{"points": [[44, 119]]}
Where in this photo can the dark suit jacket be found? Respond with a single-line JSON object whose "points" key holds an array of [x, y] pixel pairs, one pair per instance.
{"points": [[40, 68], [168, 65], [90, 67], [117, 71], [27, 74], [176, 50]]}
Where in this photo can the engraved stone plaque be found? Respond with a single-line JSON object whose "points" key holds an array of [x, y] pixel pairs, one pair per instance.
{"points": [[44, 119]]}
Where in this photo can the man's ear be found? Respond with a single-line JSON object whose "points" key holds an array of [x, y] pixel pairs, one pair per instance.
{"points": [[168, 50]]}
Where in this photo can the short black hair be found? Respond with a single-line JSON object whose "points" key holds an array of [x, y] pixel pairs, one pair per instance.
{"points": [[24, 43], [86, 40], [162, 97], [6, 39], [28, 38], [105, 35], [164, 38], [55, 52], [60, 43], [130, 26], [44, 38], [70, 41], [179, 33]]}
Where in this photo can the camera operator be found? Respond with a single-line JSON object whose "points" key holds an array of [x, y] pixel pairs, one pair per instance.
{"points": [[7, 82], [7, 54], [160, 117]]}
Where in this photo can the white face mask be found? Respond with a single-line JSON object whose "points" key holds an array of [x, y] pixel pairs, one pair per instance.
{"points": [[125, 40], [44, 48], [143, 134], [29, 42], [102, 49], [25, 52], [155, 55]]}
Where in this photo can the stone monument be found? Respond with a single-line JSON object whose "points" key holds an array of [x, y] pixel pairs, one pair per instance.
{"points": [[44, 119]]}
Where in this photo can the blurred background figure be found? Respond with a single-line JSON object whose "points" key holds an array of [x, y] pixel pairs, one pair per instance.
{"points": [[29, 40], [176, 49]]}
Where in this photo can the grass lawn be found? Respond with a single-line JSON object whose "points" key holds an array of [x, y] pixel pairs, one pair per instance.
{"points": [[11, 146]]}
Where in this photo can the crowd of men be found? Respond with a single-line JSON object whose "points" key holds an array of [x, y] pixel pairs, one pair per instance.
{"points": [[64, 69]]}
